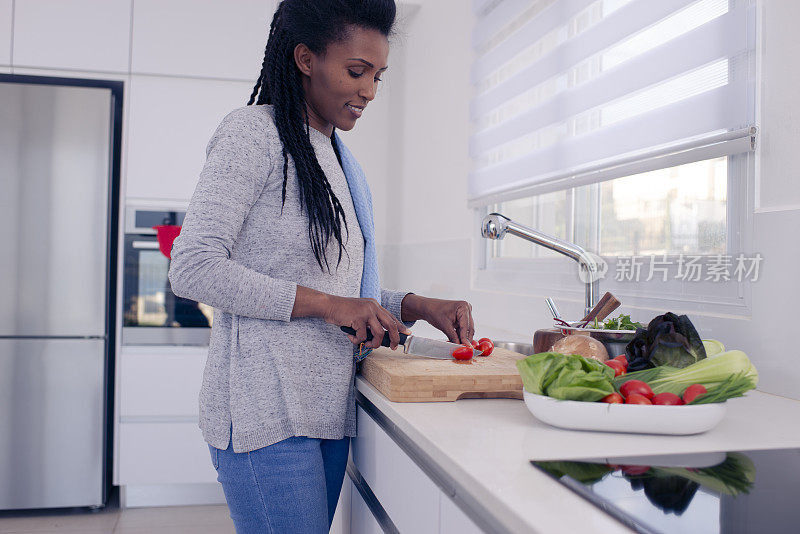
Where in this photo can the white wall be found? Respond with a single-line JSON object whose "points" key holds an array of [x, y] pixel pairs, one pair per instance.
{"points": [[433, 251]]}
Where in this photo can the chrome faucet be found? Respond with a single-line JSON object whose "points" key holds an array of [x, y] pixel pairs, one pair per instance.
{"points": [[496, 226]]}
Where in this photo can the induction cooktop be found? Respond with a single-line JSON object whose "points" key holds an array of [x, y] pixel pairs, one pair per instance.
{"points": [[725, 492]]}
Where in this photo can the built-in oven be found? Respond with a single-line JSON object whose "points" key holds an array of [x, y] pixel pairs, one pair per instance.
{"points": [[151, 313]]}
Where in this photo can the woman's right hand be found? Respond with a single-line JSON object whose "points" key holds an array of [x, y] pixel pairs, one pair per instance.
{"points": [[360, 313]]}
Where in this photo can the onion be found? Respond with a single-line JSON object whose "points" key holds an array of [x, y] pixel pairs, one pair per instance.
{"points": [[585, 346]]}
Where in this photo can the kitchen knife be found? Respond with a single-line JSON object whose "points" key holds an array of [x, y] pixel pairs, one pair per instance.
{"points": [[421, 346]]}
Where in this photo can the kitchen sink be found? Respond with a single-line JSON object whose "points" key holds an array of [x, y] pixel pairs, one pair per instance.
{"points": [[522, 348]]}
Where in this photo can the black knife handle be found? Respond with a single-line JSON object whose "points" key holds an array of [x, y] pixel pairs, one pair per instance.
{"points": [[386, 341]]}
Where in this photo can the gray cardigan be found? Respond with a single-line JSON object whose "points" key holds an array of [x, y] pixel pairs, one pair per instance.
{"points": [[268, 376]]}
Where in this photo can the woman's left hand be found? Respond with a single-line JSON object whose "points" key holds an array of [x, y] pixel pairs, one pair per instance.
{"points": [[453, 317]]}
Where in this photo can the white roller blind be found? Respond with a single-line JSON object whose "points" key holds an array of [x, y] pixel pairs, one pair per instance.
{"points": [[570, 91]]}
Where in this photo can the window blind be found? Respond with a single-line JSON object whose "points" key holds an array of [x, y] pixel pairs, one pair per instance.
{"points": [[572, 91]]}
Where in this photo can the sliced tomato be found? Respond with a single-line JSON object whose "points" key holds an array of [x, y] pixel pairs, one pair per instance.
{"points": [[463, 353], [667, 399], [635, 398], [617, 366], [614, 398], [693, 391], [485, 345], [636, 386]]}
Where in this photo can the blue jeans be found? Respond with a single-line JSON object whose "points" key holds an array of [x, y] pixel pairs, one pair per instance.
{"points": [[290, 486]]}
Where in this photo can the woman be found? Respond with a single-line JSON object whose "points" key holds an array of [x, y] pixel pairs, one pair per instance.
{"points": [[279, 239]]}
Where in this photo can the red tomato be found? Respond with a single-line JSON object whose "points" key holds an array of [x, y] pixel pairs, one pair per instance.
{"points": [[667, 399], [617, 366], [635, 470], [614, 398], [485, 345], [623, 360], [635, 398], [693, 391], [474, 344], [463, 353], [636, 386]]}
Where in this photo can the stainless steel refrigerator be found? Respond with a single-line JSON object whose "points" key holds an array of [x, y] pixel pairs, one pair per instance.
{"points": [[59, 165]]}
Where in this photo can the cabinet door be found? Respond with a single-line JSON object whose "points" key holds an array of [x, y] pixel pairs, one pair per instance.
{"points": [[163, 453], [6, 27], [78, 35], [155, 381], [361, 519], [454, 520], [203, 39], [171, 122], [341, 519], [410, 498]]}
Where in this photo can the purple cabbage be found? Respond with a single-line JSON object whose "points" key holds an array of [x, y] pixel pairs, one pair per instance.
{"points": [[669, 339]]}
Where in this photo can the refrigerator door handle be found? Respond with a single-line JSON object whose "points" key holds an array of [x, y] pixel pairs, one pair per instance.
{"points": [[150, 245]]}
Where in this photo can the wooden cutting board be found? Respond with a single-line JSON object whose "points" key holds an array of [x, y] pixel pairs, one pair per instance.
{"points": [[407, 378]]}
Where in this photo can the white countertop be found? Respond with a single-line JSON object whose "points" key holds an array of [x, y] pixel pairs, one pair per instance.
{"points": [[484, 446]]}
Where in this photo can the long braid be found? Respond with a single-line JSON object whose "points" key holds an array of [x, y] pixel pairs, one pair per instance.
{"points": [[280, 84]]}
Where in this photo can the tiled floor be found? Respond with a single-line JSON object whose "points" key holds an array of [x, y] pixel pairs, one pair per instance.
{"points": [[112, 519]]}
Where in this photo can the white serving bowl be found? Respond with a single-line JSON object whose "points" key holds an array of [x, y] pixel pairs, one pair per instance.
{"points": [[634, 418]]}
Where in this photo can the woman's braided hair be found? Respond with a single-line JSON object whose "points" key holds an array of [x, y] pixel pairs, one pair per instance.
{"points": [[315, 23]]}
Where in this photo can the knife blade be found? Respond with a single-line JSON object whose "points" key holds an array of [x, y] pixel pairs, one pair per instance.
{"points": [[420, 346], [432, 348]]}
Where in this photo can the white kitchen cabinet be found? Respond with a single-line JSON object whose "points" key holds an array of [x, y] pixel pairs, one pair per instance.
{"points": [[453, 520], [79, 34], [170, 124], [411, 500], [409, 497], [83, 75], [161, 457], [208, 38], [160, 383], [163, 453], [6, 27], [361, 519], [341, 518]]}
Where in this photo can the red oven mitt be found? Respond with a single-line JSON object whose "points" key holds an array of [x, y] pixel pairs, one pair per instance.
{"points": [[166, 234]]}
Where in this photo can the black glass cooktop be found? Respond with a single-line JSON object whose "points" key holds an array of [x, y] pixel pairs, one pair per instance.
{"points": [[716, 492]]}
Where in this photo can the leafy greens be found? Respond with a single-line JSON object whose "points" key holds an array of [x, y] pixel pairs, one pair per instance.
{"points": [[724, 376], [623, 322], [566, 377], [733, 476], [584, 472], [669, 339]]}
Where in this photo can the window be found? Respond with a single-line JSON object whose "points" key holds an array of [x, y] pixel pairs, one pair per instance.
{"points": [[625, 126], [672, 211]]}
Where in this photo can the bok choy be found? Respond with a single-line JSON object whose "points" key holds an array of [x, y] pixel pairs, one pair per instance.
{"points": [[725, 376]]}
